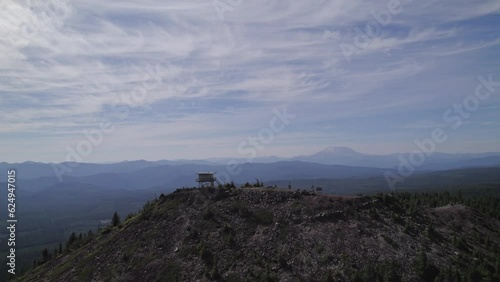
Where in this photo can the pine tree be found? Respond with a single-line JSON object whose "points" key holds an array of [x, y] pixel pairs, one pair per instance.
{"points": [[115, 221], [71, 240], [441, 276], [329, 277], [421, 263], [391, 273], [355, 277], [257, 184], [497, 268], [407, 226], [45, 255]]}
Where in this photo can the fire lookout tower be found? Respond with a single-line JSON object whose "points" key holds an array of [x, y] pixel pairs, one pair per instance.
{"points": [[207, 179]]}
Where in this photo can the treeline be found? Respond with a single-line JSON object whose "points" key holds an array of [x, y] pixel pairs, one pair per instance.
{"points": [[425, 270], [74, 242], [472, 264], [230, 185], [484, 200]]}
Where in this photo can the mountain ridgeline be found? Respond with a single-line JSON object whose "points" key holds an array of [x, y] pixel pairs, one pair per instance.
{"points": [[340, 156], [258, 234]]}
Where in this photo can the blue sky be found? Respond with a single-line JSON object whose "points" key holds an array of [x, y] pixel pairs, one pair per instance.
{"points": [[203, 84]]}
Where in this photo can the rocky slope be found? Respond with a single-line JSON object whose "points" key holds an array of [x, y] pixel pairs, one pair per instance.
{"points": [[276, 235]]}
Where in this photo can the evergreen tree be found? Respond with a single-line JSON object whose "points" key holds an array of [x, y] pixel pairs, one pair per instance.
{"points": [[329, 277], [115, 221], [407, 226], [424, 268], [391, 273], [45, 255], [421, 263], [497, 268], [473, 274], [257, 184], [71, 240]]}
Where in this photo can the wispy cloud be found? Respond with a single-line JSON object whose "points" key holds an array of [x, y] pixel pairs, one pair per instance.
{"points": [[65, 64]]}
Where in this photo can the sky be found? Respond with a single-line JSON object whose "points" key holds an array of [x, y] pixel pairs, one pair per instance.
{"points": [[101, 81]]}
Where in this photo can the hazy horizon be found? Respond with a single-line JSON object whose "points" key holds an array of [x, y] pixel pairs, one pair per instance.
{"points": [[284, 158]]}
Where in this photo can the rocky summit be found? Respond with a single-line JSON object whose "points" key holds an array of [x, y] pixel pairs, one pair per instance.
{"points": [[257, 234]]}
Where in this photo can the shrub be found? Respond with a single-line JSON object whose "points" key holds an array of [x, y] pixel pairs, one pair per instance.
{"points": [[208, 214], [263, 216]]}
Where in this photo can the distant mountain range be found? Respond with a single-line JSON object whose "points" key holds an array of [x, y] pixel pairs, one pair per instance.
{"points": [[306, 165], [340, 169], [173, 176], [435, 161]]}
